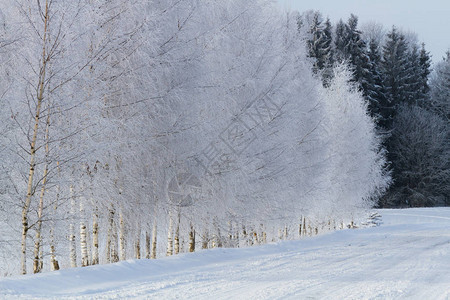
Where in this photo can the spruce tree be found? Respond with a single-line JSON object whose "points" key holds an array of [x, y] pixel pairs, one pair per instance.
{"points": [[425, 69], [395, 75], [356, 48], [328, 53], [440, 88], [413, 88], [340, 42], [375, 89], [320, 47], [316, 43], [351, 48]]}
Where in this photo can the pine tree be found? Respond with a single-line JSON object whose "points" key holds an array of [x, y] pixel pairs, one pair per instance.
{"points": [[320, 47], [351, 48], [316, 44], [440, 88], [425, 66], [375, 89], [413, 90], [328, 53], [340, 42], [394, 71], [356, 48]]}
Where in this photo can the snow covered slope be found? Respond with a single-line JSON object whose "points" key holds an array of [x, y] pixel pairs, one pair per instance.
{"points": [[407, 257]]}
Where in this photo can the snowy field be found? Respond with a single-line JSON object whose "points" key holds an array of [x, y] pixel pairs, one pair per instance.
{"points": [[407, 257]]}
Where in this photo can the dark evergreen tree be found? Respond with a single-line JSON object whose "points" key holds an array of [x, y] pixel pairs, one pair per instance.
{"points": [[375, 89], [395, 76], [320, 47], [420, 153], [328, 53], [340, 42], [356, 49], [351, 48], [413, 87], [425, 69], [317, 43], [440, 88]]}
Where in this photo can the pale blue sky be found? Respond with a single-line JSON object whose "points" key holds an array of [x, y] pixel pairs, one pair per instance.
{"points": [[430, 19]]}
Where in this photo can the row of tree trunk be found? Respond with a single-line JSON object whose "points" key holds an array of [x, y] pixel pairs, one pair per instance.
{"points": [[117, 238]]}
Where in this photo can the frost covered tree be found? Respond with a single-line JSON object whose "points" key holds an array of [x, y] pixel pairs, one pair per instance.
{"points": [[193, 123], [356, 157], [52, 60]]}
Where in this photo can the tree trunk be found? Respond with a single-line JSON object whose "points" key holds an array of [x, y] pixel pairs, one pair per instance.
{"points": [[95, 257], [54, 263], [122, 237], [110, 236], [205, 239], [137, 243], [177, 236], [300, 227], [37, 244], [192, 239], [73, 252], [176, 247], [114, 246], [147, 245], [169, 237], [230, 234], [304, 226], [83, 238], [154, 240], [244, 236], [40, 98]]}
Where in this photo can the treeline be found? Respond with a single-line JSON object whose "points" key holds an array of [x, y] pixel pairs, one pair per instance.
{"points": [[409, 103], [135, 129]]}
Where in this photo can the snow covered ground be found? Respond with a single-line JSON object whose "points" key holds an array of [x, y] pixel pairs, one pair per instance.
{"points": [[407, 257]]}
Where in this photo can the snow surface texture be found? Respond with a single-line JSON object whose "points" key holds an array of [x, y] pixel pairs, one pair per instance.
{"points": [[407, 257]]}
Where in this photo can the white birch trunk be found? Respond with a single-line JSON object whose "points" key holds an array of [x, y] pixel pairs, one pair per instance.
{"points": [[154, 240], [53, 262], [83, 238], [95, 256], [40, 98], [109, 236], [205, 239], [192, 239], [72, 240], [147, 245], [176, 247], [230, 233], [137, 243], [304, 226], [169, 237], [122, 248], [37, 264], [177, 236], [114, 247]]}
